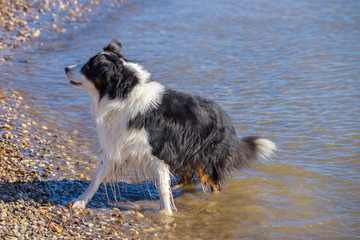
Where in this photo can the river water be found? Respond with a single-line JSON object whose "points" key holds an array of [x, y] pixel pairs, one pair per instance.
{"points": [[282, 69]]}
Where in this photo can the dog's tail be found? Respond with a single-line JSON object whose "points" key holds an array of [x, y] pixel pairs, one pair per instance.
{"points": [[251, 149], [244, 152]]}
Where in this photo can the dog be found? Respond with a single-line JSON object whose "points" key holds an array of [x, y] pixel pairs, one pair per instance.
{"points": [[158, 131]]}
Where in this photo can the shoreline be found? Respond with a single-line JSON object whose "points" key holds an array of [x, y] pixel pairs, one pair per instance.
{"points": [[32, 197], [24, 20]]}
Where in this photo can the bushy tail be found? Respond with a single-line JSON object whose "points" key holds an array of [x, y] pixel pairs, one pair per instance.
{"points": [[250, 149]]}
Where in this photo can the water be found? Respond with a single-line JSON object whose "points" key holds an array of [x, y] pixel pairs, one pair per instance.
{"points": [[285, 70]]}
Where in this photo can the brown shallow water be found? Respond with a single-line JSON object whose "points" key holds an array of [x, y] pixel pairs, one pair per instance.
{"points": [[286, 70]]}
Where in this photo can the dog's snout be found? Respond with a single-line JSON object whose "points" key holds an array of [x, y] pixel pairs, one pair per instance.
{"points": [[67, 69]]}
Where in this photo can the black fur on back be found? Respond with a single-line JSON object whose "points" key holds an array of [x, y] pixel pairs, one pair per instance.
{"points": [[187, 130]]}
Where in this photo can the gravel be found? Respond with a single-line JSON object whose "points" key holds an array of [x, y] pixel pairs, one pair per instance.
{"points": [[33, 197], [23, 20]]}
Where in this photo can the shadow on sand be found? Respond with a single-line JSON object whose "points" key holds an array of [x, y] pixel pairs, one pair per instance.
{"points": [[63, 191]]}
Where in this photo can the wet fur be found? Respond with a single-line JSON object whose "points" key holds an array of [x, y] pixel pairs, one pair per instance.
{"points": [[156, 130]]}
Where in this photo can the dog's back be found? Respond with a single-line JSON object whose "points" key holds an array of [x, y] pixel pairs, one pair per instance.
{"points": [[194, 135]]}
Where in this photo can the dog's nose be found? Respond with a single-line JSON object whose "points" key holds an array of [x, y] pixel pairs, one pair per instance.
{"points": [[67, 69]]}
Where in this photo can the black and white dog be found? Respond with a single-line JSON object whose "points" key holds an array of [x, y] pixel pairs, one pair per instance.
{"points": [[156, 130]]}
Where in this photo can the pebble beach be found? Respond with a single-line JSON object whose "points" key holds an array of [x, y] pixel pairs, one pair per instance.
{"points": [[32, 196], [23, 20]]}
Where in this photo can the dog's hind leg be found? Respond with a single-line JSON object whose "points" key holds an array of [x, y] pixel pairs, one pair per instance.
{"points": [[163, 179], [205, 179], [101, 173], [185, 179]]}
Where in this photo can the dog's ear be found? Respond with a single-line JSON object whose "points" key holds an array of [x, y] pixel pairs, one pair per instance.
{"points": [[114, 46]]}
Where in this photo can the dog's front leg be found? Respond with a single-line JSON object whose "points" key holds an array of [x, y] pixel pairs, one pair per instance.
{"points": [[101, 173], [163, 178]]}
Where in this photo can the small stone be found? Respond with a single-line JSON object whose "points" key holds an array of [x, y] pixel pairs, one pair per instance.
{"points": [[3, 214], [139, 215], [44, 127], [55, 228], [7, 126], [36, 33], [150, 229]]}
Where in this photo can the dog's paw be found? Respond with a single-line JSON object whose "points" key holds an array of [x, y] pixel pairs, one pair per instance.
{"points": [[166, 212], [80, 204]]}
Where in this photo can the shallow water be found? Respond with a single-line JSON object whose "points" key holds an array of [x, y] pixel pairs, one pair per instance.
{"points": [[285, 70]]}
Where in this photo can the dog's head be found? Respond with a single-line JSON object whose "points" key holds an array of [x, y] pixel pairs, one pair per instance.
{"points": [[107, 73]]}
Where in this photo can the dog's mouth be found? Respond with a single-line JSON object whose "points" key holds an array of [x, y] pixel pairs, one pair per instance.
{"points": [[75, 83]]}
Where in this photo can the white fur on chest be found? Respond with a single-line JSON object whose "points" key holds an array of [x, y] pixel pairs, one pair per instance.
{"points": [[122, 145]]}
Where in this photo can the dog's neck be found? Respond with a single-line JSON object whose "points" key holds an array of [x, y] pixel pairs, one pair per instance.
{"points": [[144, 96], [147, 94]]}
